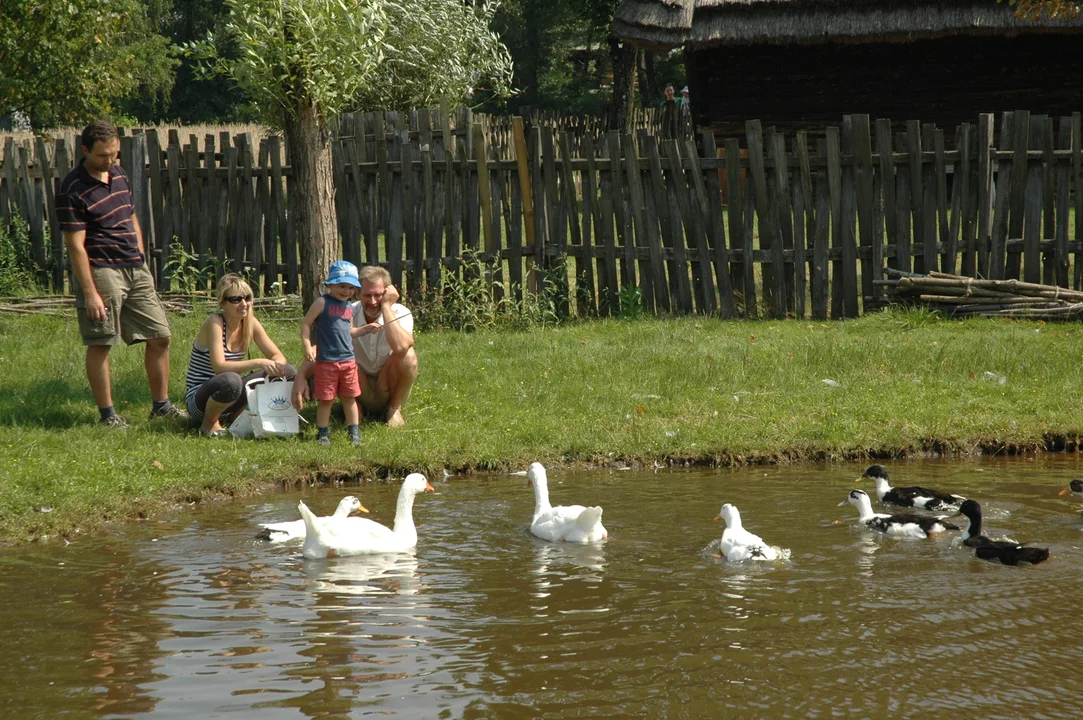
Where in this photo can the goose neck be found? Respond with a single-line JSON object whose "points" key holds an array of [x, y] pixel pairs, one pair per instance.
{"points": [[541, 498]]}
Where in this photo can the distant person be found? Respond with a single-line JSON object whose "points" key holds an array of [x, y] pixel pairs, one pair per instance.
{"points": [[384, 349], [686, 106], [671, 114], [215, 387], [115, 297]]}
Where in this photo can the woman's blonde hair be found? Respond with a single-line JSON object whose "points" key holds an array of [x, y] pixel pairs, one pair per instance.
{"points": [[234, 284]]}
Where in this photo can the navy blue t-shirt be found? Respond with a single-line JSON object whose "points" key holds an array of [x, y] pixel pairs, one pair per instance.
{"points": [[104, 210], [333, 341]]}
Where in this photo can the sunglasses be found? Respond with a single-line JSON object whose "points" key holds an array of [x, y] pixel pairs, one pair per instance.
{"points": [[237, 299]]}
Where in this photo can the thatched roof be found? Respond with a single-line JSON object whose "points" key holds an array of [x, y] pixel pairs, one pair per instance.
{"points": [[700, 23]]}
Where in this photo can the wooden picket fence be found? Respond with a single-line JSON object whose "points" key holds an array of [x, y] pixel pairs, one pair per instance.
{"points": [[763, 224]]}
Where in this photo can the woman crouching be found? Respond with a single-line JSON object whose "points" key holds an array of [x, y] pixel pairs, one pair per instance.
{"points": [[215, 386]]}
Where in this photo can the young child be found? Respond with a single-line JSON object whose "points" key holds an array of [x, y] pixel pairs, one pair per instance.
{"points": [[327, 338]]}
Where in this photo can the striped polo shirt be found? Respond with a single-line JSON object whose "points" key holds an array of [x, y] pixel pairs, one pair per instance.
{"points": [[105, 212]]}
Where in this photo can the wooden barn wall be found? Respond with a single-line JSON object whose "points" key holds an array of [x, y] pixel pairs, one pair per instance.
{"points": [[945, 81]]}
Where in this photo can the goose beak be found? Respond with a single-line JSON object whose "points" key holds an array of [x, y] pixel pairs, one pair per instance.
{"points": [[860, 479], [1065, 491], [529, 482], [844, 502], [362, 508], [428, 487], [717, 518]]}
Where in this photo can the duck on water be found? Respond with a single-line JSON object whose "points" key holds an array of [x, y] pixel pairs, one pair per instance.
{"points": [[914, 496], [1008, 552], [899, 524]]}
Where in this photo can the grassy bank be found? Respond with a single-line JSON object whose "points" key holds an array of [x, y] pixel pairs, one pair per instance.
{"points": [[602, 392]]}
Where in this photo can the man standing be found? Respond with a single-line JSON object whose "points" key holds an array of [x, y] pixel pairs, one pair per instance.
{"points": [[386, 360], [115, 297], [671, 114]]}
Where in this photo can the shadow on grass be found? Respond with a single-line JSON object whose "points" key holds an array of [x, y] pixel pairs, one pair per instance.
{"points": [[61, 404]]}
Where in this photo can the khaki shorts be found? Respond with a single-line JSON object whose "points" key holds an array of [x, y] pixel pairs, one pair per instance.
{"points": [[133, 311], [373, 399]]}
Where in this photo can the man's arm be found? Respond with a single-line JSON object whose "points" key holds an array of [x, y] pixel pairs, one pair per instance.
{"points": [[80, 266], [398, 338]]}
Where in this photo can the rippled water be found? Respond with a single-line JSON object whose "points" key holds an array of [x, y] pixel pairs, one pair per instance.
{"points": [[192, 617]]}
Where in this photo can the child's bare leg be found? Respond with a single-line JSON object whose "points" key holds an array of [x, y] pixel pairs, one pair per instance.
{"points": [[349, 409], [323, 418]]}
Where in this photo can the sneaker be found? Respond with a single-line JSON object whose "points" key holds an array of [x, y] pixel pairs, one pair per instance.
{"points": [[172, 413], [323, 440], [114, 421], [220, 432], [355, 440]]}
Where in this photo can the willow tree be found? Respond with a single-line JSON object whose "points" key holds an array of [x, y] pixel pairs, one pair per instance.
{"points": [[301, 62]]}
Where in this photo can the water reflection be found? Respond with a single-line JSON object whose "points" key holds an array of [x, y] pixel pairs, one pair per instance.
{"points": [[379, 574]]}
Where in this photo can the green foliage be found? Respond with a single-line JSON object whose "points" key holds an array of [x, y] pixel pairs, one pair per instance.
{"points": [[355, 54], [469, 301], [1054, 9], [564, 56], [18, 272], [910, 317], [631, 302], [69, 61], [437, 50], [188, 273], [295, 53]]}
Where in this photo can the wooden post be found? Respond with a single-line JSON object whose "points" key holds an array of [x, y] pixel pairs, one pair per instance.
{"points": [[527, 194]]}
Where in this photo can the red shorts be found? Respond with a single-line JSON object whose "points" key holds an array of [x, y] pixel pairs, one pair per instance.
{"points": [[337, 379]]}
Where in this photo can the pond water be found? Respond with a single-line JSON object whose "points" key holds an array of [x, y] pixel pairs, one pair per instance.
{"points": [[193, 617]]}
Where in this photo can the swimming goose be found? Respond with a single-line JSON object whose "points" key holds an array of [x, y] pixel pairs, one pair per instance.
{"points": [[739, 544], [913, 496], [564, 523], [295, 529], [1007, 552], [1075, 487], [898, 525], [360, 536]]}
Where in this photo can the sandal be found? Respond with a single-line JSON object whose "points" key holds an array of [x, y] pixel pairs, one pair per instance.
{"points": [[220, 432]]}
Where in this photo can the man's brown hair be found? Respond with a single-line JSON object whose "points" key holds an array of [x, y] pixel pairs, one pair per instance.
{"points": [[98, 131]]}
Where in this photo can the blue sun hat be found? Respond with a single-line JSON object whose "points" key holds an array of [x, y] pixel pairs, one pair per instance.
{"points": [[342, 272]]}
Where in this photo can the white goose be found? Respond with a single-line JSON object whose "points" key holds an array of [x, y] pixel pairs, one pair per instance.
{"points": [[295, 529], [564, 523], [360, 536], [739, 544]]}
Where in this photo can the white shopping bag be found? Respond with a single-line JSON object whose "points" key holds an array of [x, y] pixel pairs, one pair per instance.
{"points": [[241, 427], [270, 410]]}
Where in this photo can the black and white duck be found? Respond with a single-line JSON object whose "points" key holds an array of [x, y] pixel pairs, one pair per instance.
{"points": [[1075, 487], [1007, 552], [898, 525], [915, 496]]}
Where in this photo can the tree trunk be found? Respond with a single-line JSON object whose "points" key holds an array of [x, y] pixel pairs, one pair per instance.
{"points": [[312, 196], [624, 73]]}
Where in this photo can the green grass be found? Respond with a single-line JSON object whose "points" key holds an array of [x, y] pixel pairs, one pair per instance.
{"points": [[691, 389]]}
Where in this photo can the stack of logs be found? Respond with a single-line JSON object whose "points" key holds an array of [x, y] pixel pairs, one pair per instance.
{"points": [[182, 303], [958, 296]]}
